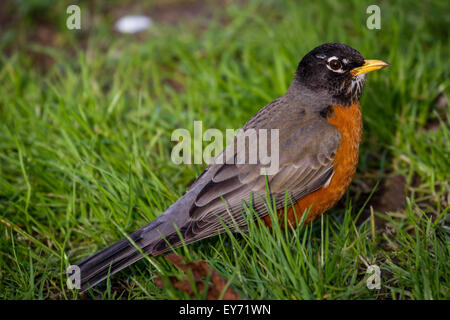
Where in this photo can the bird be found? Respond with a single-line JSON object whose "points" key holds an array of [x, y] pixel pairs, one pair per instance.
{"points": [[319, 123]]}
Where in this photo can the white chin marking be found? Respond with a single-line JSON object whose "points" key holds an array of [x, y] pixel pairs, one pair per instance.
{"points": [[357, 83]]}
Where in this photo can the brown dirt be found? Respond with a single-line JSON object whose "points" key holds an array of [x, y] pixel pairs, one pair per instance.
{"points": [[390, 196], [200, 270], [440, 106], [174, 12]]}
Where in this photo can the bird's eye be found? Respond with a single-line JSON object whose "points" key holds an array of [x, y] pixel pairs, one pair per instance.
{"points": [[335, 64]]}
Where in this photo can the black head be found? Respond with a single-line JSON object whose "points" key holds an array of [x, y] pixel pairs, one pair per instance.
{"points": [[336, 71]]}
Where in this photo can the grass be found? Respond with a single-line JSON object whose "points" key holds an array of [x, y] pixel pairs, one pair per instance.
{"points": [[86, 120]]}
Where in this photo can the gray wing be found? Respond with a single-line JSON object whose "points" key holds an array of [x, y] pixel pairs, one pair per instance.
{"points": [[306, 163]]}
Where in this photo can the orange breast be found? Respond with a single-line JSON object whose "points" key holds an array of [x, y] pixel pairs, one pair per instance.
{"points": [[348, 120]]}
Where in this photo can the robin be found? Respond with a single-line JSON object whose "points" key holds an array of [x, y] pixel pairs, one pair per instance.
{"points": [[319, 126]]}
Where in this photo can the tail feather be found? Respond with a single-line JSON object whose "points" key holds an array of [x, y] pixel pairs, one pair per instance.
{"points": [[108, 261], [155, 238]]}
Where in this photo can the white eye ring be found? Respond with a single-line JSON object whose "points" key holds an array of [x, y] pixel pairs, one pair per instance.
{"points": [[328, 65]]}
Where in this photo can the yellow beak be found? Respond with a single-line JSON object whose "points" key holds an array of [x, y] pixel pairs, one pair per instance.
{"points": [[369, 65]]}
